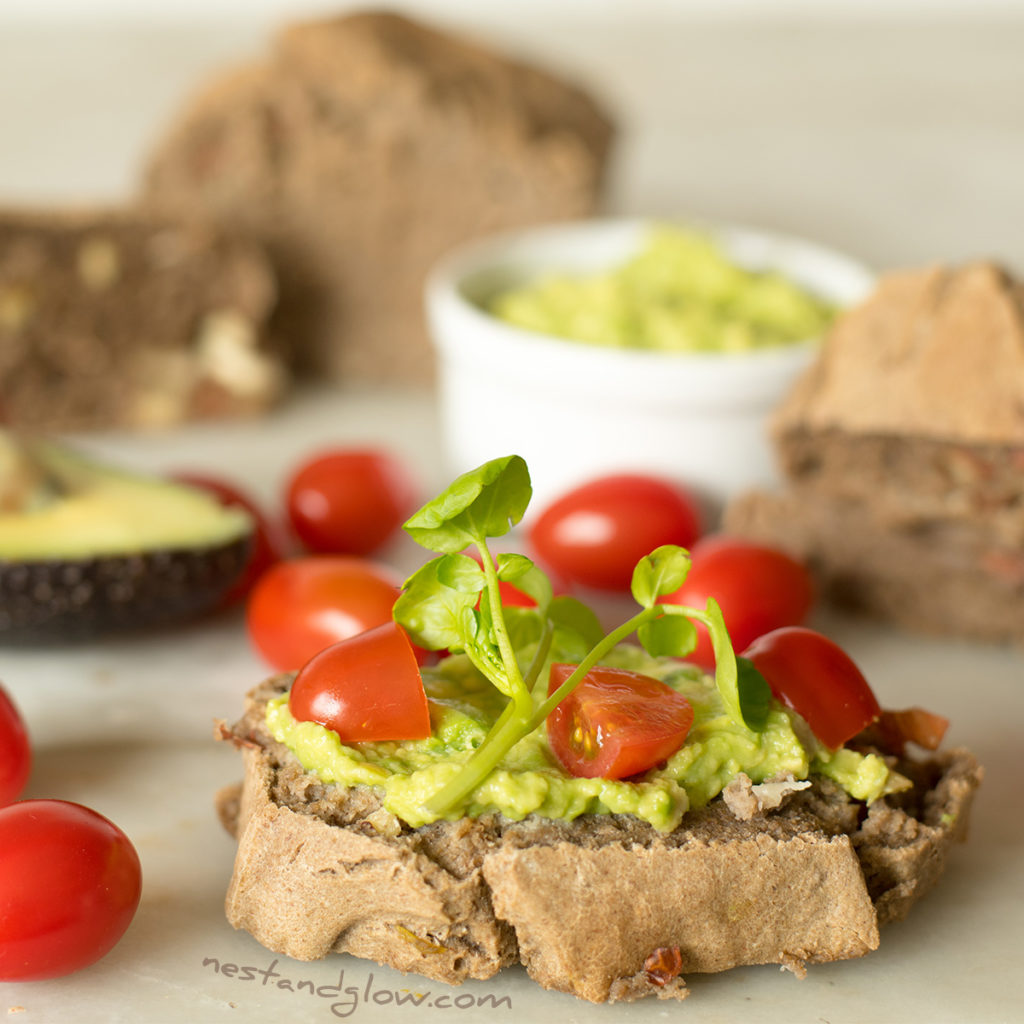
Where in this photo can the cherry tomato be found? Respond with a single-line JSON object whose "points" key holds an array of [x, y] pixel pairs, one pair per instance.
{"points": [[349, 501], [758, 589], [266, 550], [365, 688], [595, 534], [70, 882], [816, 678], [302, 605], [15, 752], [615, 723]]}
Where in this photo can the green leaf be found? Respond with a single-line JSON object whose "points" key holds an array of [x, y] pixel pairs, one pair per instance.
{"points": [[661, 572], [529, 578], [743, 702], [525, 627], [512, 566], [671, 635], [485, 502], [572, 616], [462, 573], [755, 694], [433, 613]]}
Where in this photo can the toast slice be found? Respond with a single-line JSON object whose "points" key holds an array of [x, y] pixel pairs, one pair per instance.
{"points": [[606, 907]]}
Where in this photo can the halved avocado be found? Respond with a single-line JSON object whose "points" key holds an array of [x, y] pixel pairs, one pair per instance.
{"points": [[87, 549]]}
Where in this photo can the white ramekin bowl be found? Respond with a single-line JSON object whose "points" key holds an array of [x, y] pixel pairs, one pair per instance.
{"points": [[575, 410]]}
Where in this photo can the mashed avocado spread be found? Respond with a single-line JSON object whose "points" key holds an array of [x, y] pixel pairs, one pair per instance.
{"points": [[529, 779], [492, 700], [680, 292]]}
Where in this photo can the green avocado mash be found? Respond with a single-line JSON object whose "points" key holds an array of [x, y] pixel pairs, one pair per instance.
{"points": [[530, 781], [490, 703], [678, 293]]}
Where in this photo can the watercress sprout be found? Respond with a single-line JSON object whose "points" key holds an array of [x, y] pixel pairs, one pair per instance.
{"points": [[454, 602]]}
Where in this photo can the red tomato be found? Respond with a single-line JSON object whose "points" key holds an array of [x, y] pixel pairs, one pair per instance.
{"points": [[302, 605], [594, 535], [70, 882], [758, 589], [615, 723], [15, 752], [816, 678], [365, 688], [912, 725], [348, 501], [265, 548]]}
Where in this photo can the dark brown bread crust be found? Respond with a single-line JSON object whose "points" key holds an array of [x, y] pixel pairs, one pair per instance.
{"points": [[360, 150], [116, 318], [583, 905]]}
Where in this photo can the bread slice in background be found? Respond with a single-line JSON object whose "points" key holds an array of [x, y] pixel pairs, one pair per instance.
{"points": [[902, 450], [116, 318], [361, 149]]}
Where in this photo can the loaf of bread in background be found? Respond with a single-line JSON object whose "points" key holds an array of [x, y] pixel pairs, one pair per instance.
{"points": [[361, 149], [117, 318], [902, 450], [603, 907]]}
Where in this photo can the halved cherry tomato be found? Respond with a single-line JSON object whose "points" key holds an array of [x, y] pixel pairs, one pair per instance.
{"points": [[818, 680], [15, 752], [302, 605], [70, 882], [615, 723], [365, 688], [595, 534], [758, 588], [349, 501], [266, 547]]}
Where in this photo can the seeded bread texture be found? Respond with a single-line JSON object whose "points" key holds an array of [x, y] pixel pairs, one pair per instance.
{"points": [[589, 907], [361, 149], [116, 318]]}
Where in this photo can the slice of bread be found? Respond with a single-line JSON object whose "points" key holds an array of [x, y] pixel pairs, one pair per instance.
{"points": [[604, 907], [902, 450], [118, 318], [360, 149]]}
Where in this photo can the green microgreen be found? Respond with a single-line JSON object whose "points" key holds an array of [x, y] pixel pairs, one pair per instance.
{"points": [[454, 602]]}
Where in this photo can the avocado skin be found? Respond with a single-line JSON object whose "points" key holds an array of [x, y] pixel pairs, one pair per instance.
{"points": [[70, 600]]}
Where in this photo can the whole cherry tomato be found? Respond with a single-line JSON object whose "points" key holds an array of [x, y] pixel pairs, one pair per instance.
{"points": [[615, 723], [70, 882], [818, 680], [266, 549], [758, 588], [302, 605], [349, 501], [15, 752], [365, 688], [595, 534]]}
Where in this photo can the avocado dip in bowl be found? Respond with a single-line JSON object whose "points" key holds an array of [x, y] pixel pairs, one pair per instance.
{"points": [[611, 345]]}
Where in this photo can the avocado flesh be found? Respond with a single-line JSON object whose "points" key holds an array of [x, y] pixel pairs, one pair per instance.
{"points": [[96, 510], [94, 550]]}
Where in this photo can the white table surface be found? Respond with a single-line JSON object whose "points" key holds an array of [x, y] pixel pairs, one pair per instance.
{"points": [[126, 726], [899, 141]]}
